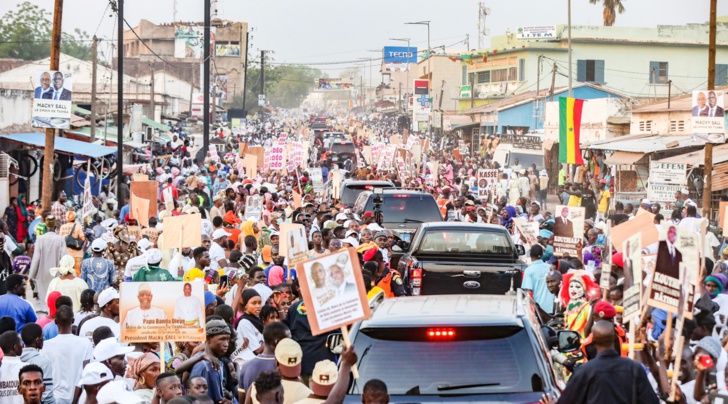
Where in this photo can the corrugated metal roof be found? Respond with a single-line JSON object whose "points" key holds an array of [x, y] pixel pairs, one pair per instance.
{"points": [[697, 158], [648, 144], [623, 158]]}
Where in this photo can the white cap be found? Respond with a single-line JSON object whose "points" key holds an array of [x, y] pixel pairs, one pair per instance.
{"points": [[646, 201], [685, 191], [350, 232], [107, 295], [351, 240], [110, 347], [117, 391], [98, 245], [95, 373], [375, 227], [144, 244], [347, 223], [341, 216], [219, 233]]}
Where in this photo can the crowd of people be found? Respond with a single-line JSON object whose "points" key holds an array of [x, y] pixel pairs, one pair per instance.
{"points": [[259, 347]]}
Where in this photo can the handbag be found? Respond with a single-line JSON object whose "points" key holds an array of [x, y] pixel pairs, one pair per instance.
{"points": [[74, 243]]}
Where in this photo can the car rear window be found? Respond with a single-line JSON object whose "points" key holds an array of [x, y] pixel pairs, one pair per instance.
{"points": [[398, 208], [476, 242], [349, 193], [343, 148], [499, 357]]}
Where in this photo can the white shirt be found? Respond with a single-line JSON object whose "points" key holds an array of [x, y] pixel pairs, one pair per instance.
{"points": [[88, 328], [67, 352], [187, 264], [134, 264], [216, 253], [10, 246], [189, 309], [9, 380], [255, 339], [136, 316]]}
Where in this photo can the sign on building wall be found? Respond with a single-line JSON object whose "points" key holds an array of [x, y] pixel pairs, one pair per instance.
{"points": [[189, 40], [52, 99], [400, 54], [541, 32], [227, 50]]}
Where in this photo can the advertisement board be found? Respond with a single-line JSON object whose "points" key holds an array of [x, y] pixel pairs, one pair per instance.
{"points": [[668, 173], [334, 84], [540, 32], [52, 99], [400, 54], [224, 50], [708, 116]]}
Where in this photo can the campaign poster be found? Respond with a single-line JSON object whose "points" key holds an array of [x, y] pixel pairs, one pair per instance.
{"points": [[708, 116], [294, 245], [52, 99], [318, 180], [568, 229], [632, 253], [487, 179], [333, 291], [606, 258], [162, 311], [181, 231], [88, 205], [276, 157], [675, 268], [189, 41], [528, 230], [253, 207]]}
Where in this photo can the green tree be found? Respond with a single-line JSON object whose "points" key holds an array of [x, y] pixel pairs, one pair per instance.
{"points": [[611, 8], [286, 86], [25, 33]]}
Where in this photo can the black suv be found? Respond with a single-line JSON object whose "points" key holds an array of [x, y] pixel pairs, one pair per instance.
{"points": [[458, 348], [456, 257]]}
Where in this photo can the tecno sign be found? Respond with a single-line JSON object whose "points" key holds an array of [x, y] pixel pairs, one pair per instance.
{"points": [[400, 54]]}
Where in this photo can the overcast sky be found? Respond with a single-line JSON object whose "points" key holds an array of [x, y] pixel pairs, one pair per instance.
{"points": [[309, 31]]}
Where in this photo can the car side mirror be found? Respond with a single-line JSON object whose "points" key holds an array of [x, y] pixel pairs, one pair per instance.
{"points": [[335, 343], [568, 341], [396, 248], [520, 250]]}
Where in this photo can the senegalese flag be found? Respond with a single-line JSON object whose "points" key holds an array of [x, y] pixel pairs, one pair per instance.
{"points": [[569, 125]]}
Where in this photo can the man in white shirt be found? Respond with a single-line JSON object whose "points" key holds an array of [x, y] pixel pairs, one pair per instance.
{"points": [[134, 264], [189, 308], [69, 354], [145, 313], [217, 252], [184, 260], [109, 304], [12, 347]]}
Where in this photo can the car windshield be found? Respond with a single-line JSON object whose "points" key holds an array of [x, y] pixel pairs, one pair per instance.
{"points": [[476, 242], [496, 359], [526, 160], [337, 148], [400, 208]]}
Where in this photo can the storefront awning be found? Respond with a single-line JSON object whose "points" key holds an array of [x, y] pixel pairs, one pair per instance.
{"points": [[623, 158], [154, 124], [697, 158], [62, 144], [547, 145]]}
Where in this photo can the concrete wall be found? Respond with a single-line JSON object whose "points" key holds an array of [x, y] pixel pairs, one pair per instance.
{"points": [[659, 123], [15, 107]]}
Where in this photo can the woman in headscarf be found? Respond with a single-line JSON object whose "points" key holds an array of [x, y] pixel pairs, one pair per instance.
{"points": [[249, 326], [144, 371], [22, 213], [575, 294], [51, 301], [71, 228], [715, 285], [11, 215], [66, 282], [507, 215]]}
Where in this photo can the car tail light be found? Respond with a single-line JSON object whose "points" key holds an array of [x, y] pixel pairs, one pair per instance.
{"points": [[415, 279], [401, 196], [440, 333]]}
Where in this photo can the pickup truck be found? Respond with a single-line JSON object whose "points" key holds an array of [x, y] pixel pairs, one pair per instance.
{"points": [[461, 258]]}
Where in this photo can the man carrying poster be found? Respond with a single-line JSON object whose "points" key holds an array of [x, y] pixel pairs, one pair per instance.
{"points": [[145, 312], [563, 226], [668, 257], [569, 230], [667, 290]]}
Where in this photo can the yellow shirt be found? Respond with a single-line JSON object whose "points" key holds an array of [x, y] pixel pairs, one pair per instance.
{"points": [[194, 273], [574, 200], [603, 201]]}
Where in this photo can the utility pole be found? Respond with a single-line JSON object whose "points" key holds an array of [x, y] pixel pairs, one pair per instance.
{"points": [[553, 82], [94, 64], [472, 90], [538, 89], [206, 81], [152, 101], [50, 134], [570, 68], [120, 104], [467, 41], [192, 91], [245, 72], [262, 72], [707, 192]]}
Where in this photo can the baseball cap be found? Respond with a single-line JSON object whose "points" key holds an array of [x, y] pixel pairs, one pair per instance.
{"points": [[368, 214], [117, 391], [108, 348], [351, 240], [107, 295], [95, 373], [144, 244], [324, 377], [98, 245], [219, 233], [604, 309], [341, 216], [289, 356]]}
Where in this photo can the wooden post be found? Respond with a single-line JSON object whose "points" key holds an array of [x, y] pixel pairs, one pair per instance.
{"points": [[668, 337], [50, 134], [347, 343], [180, 267], [708, 164]]}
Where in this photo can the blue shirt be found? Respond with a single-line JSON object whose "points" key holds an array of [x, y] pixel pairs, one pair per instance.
{"points": [[50, 331], [20, 310], [123, 212], [98, 273], [534, 279], [31, 228], [204, 369]]}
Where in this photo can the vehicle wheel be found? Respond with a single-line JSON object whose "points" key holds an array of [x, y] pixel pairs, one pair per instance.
{"points": [[94, 176], [57, 168]]}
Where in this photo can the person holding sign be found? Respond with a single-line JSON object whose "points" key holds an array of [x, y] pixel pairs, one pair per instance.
{"points": [[145, 313], [668, 256]]}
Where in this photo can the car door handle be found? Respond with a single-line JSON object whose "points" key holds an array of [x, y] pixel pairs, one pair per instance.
{"points": [[471, 274]]}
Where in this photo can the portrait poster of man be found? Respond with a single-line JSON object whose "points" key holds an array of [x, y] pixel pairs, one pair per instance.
{"points": [[333, 291], [632, 255], [253, 207], [568, 229], [486, 180], [162, 311], [52, 99], [676, 246], [708, 116], [294, 245]]}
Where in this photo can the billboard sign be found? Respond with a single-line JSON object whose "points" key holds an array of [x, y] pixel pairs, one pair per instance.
{"points": [[400, 54], [422, 87], [227, 50], [189, 40], [542, 32], [708, 116], [52, 99]]}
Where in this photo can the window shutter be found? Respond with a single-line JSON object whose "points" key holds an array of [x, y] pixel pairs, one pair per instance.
{"points": [[521, 69], [599, 71], [581, 71], [654, 72], [721, 71]]}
